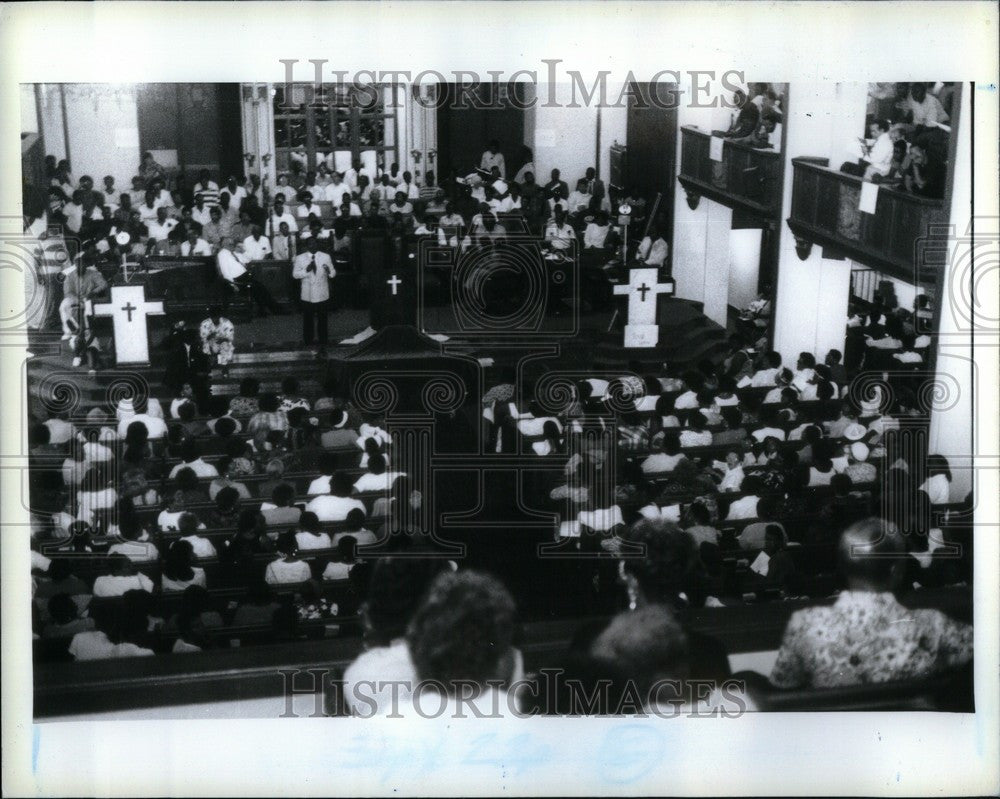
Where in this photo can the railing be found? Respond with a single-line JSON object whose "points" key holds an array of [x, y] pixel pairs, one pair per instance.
{"points": [[899, 238], [747, 177]]}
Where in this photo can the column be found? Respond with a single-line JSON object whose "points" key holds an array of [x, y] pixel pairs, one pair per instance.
{"points": [[958, 376], [810, 309]]}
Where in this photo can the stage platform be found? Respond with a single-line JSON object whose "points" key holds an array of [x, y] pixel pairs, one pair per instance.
{"points": [[270, 349]]}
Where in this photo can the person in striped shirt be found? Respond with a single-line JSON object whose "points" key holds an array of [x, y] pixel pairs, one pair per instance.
{"points": [[207, 188]]}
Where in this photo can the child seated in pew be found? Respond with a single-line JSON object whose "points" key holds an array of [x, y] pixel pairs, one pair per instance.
{"points": [[228, 472], [666, 415], [136, 488], [186, 413], [770, 451], [709, 408], [354, 524], [731, 472], [768, 426], [250, 539], [135, 544], [327, 468], [746, 506], [226, 510], [123, 577], [65, 620], [310, 534], [752, 535], [695, 434], [339, 435], [340, 567], [179, 570], [289, 567], [187, 526], [121, 632], [733, 431], [280, 510], [195, 620], [335, 506], [668, 458], [257, 607], [773, 569], [377, 478], [700, 527]]}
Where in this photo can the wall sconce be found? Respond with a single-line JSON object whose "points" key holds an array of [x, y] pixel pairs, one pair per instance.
{"points": [[802, 248], [249, 158], [416, 154], [431, 155]]}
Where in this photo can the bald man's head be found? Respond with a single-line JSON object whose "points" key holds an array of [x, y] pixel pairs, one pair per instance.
{"points": [[871, 554]]}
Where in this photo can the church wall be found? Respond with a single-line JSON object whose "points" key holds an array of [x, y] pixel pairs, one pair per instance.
{"points": [[103, 131], [959, 375], [744, 265], [613, 129], [564, 138], [102, 120]]}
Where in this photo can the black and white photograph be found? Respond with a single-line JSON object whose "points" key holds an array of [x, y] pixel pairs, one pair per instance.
{"points": [[394, 406]]}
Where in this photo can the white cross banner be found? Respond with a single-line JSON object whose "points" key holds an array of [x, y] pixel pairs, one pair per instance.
{"points": [[642, 289], [395, 283], [128, 309]]}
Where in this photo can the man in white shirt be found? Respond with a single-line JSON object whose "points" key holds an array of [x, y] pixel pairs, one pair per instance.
{"points": [[332, 508], [230, 266], [493, 158], [653, 249], [926, 108], [279, 214], [880, 152], [155, 426], [352, 176], [161, 227], [407, 186], [236, 192], [194, 245], [559, 234], [579, 200], [255, 246], [596, 233], [307, 207], [314, 269], [125, 578], [201, 212], [336, 191], [192, 460]]}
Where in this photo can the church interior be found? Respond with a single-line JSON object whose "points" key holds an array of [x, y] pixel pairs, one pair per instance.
{"points": [[301, 355]]}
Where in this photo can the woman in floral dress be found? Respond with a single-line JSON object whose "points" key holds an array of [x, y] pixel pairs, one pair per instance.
{"points": [[217, 334]]}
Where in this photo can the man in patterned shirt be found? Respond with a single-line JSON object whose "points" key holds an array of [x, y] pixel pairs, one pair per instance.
{"points": [[866, 636]]}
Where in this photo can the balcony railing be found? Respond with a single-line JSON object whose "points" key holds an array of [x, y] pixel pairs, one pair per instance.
{"points": [[905, 237], [746, 178]]}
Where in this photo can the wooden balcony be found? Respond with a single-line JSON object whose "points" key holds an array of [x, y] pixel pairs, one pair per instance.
{"points": [[747, 178], [901, 238]]}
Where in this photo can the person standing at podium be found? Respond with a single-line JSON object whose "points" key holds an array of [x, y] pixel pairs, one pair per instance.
{"points": [[314, 269]]}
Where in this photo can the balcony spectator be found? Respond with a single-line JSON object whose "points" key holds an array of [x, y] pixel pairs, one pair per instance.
{"points": [[746, 120], [924, 108], [924, 175]]}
